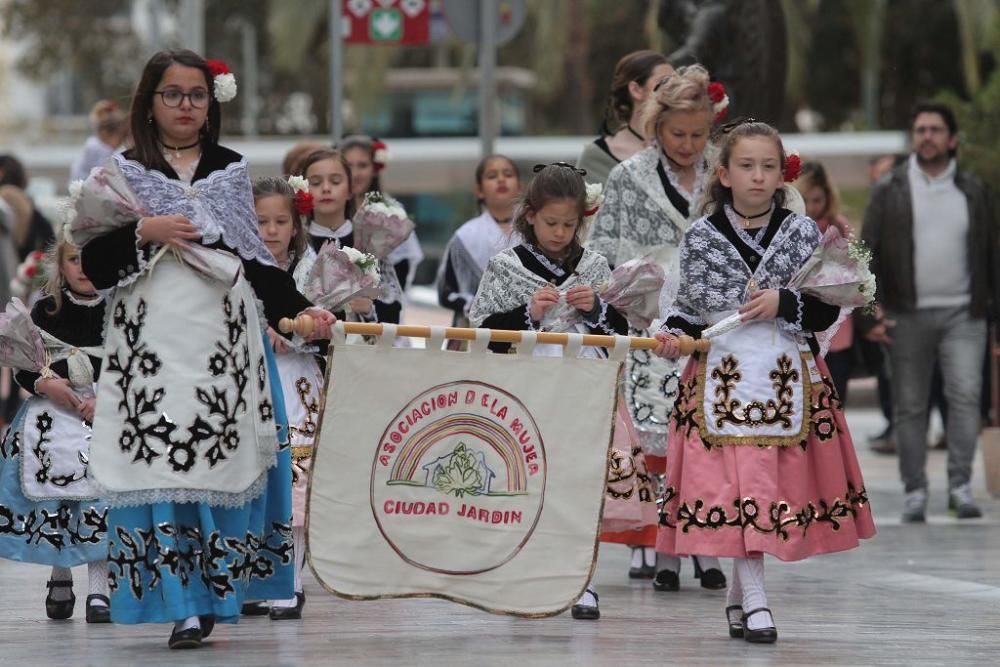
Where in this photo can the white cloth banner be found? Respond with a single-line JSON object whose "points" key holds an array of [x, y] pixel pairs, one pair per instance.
{"points": [[468, 476]]}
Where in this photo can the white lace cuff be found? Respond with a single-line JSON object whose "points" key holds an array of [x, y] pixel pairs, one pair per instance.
{"points": [[131, 272], [601, 311], [796, 326], [527, 318]]}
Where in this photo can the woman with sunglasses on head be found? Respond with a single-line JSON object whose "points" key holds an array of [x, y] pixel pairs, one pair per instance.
{"points": [[650, 200], [190, 444]]}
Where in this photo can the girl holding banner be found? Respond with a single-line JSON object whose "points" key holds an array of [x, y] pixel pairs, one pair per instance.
{"points": [[760, 459], [189, 445], [50, 508], [551, 283]]}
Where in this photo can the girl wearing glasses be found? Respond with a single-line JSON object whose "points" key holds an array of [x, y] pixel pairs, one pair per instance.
{"points": [[186, 436]]}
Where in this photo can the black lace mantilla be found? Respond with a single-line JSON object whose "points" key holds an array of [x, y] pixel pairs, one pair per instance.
{"points": [[146, 439], [139, 558]]}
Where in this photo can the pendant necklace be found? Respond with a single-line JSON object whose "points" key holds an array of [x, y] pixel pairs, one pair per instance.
{"points": [[748, 218], [177, 149]]}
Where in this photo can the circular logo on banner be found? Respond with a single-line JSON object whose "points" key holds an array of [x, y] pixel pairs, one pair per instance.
{"points": [[458, 480]]}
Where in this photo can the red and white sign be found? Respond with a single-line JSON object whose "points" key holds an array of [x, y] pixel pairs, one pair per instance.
{"points": [[386, 21]]}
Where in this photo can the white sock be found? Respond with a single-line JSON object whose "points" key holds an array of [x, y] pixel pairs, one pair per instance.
{"points": [[751, 574], [668, 562], [708, 563], [61, 593], [97, 573], [734, 596], [637, 557], [588, 599], [187, 623], [649, 556]]}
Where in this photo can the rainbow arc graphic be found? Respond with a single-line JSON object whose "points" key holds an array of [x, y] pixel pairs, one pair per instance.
{"points": [[406, 468]]}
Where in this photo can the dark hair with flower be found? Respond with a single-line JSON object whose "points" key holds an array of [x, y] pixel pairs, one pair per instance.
{"points": [[279, 187], [145, 136], [718, 195], [553, 182], [337, 156], [377, 153]]}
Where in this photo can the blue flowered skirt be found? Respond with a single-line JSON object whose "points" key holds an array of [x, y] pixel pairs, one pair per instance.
{"points": [[170, 561], [52, 532]]}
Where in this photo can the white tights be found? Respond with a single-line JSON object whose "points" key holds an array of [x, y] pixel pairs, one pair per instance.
{"points": [[748, 580], [299, 552]]}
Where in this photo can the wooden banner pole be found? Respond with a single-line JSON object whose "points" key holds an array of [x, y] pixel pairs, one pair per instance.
{"points": [[303, 325]]}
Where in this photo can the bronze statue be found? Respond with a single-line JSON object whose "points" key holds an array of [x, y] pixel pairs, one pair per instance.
{"points": [[740, 42]]}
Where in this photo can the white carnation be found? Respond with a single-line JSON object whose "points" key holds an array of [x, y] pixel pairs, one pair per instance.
{"points": [[381, 156], [298, 183], [75, 189], [225, 87]]}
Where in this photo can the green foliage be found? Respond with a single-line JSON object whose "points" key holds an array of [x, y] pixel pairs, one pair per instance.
{"points": [[461, 476], [979, 127]]}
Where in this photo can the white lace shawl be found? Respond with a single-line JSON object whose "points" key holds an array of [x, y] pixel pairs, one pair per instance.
{"points": [[469, 251], [636, 217], [221, 205], [508, 284], [714, 279]]}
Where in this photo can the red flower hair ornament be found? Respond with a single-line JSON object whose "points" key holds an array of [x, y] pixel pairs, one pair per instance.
{"points": [[720, 100], [223, 81], [793, 167]]}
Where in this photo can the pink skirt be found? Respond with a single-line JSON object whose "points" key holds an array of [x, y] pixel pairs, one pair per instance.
{"points": [[738, 501], [630, 494]]}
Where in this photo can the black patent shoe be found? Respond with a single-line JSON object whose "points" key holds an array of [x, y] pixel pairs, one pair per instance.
{"points": [[712, 578], [761, 635], [289, 613], [254, 608], [734, 617], [586, 612], [97, 613], [644, 571], [190, 638], [666, 581], [207, 624], [59, 610]]}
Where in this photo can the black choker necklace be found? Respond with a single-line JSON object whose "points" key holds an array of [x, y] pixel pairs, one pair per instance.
{"points": [[634, 133], [748, 218], [177, 149]]}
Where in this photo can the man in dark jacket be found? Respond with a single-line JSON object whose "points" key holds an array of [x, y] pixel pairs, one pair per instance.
{"points": [[935, 246]]}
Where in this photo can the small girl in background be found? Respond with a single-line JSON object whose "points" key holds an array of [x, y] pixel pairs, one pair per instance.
{"points": [[549, 282], [823, 205], [279, 215], [43, 459], [498, 185], [329, 178], [367, 158], [110, 125], [759, 456]]}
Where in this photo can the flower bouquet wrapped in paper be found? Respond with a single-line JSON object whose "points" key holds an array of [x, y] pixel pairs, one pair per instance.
{"points": [[381, 225], [105, 202], [342, 274], [634, 290], [21, 345], [838, 272]]}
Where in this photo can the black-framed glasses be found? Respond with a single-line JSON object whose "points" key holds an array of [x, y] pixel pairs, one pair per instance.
{"points": [[538, 167], [173, 98]]}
